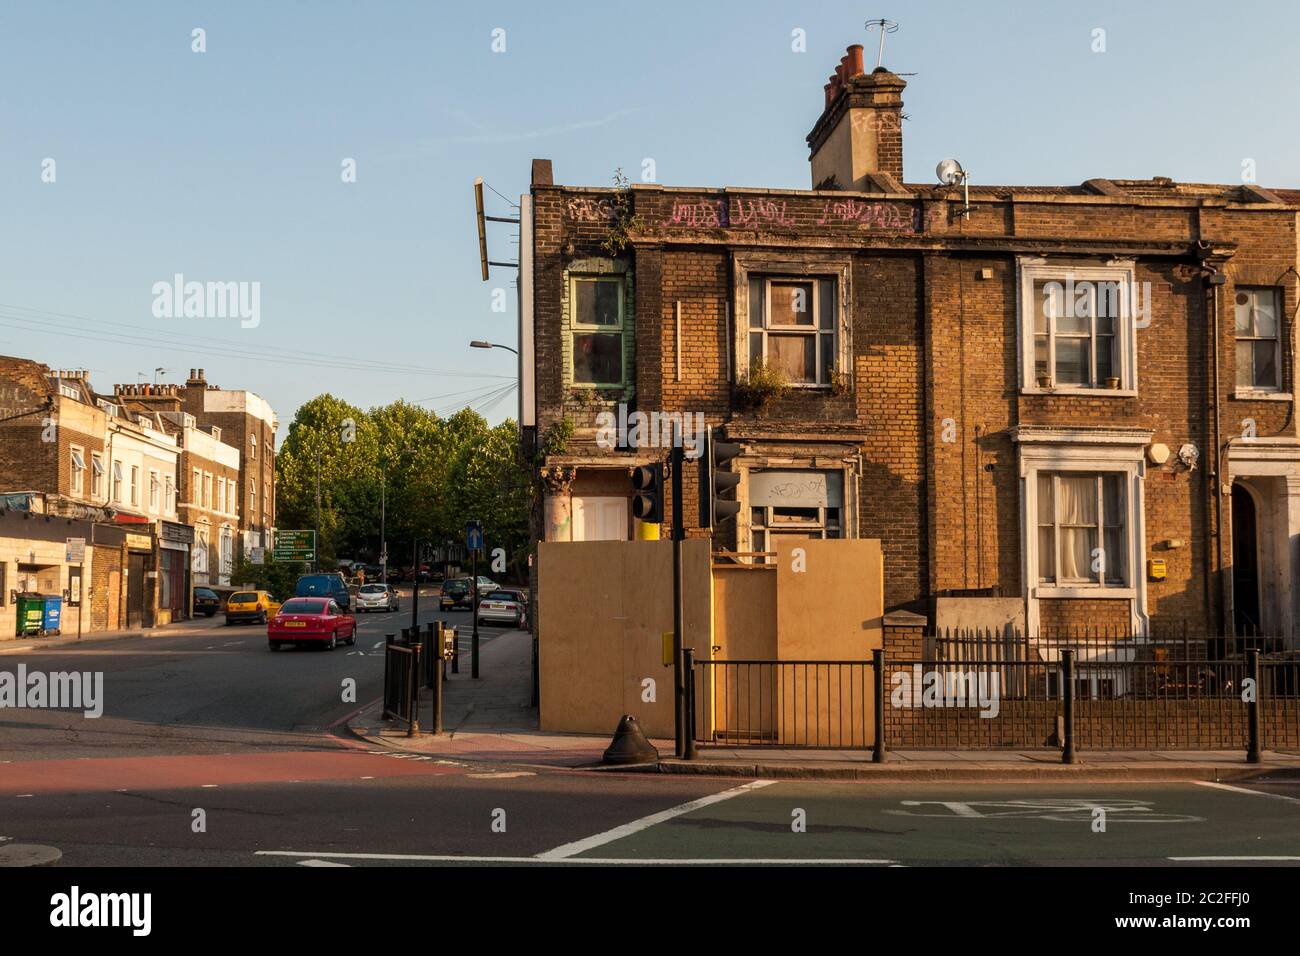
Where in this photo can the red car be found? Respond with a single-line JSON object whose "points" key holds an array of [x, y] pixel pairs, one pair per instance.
{"points": [[311, 620]]}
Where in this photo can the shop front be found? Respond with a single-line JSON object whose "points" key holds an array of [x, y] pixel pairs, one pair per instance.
{"points": [[174, 544]]}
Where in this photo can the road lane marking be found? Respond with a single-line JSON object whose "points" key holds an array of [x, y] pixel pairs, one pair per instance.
{"points": [[503, 775], [586, 860], [1234, 859], [320, 863], [636, 826], [1257, 793]]}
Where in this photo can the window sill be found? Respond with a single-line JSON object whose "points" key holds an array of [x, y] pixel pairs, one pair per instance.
{"points": [[1076, 390], [1260, 395], [1052, 591]]}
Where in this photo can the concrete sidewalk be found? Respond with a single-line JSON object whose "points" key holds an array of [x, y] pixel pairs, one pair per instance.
{"points": [[490, 720], [68, 640]]}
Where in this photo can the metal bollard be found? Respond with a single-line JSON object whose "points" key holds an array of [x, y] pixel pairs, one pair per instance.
{"points": [[688, 655], [1252, 707], [1067, 704], [437, 661], [388, 642], [413, 725], [878, 679]]}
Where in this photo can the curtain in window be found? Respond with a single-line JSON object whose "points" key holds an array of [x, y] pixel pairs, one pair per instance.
{"points": [[1077, 513]]}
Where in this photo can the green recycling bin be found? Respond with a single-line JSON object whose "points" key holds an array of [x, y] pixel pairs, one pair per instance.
{"points": [[31, 613]]}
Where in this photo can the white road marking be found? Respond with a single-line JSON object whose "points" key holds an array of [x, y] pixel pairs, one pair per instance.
{"points": [[603, 861], [654, 819], [1233, 859], [367, 778], [320, 863], [209, 786], [503, 775], [1257, 793], [24, 794]]}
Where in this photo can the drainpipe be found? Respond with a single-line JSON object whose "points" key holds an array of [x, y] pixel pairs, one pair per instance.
{"points": [[1213, 279]]}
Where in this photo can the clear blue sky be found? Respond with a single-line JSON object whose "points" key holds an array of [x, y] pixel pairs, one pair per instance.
{"points": [[225, 165]]}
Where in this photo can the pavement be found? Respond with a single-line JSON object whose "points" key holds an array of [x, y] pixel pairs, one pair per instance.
{"points": [[68, 639], [212, 750], [491, 720]]}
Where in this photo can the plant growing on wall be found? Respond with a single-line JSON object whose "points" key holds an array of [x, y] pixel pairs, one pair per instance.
{"points": [[623, 222], [763, 384]]}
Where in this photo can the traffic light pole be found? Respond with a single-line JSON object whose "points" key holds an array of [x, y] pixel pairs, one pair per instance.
{"points": [[680, 722]]}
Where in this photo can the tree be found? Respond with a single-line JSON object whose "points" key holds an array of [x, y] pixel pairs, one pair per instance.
{"points": [[435, 474]]}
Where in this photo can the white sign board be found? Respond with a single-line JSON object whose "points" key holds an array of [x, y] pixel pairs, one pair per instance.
{"points": [[76, 550], [257, 555]]}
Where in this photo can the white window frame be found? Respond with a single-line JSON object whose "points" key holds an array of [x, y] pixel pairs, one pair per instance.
{"points": [[169, 500], [1099, 491], [154, 489], [116, 481], [196, 492], [577, 328], [77, 455], [815, 330], [1121, 273], [1250, 388], [135, 486], [772, 266], [252, 448], [1084, 450], [96, 475]]}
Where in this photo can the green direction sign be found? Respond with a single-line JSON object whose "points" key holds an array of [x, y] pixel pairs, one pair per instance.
{"points": [[294, 546]]}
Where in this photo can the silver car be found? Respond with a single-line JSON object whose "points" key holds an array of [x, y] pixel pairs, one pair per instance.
{"points": [[501, 607], [376, 597]]}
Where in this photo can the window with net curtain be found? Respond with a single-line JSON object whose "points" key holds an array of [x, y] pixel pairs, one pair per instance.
{"points": [[1081, 533]]}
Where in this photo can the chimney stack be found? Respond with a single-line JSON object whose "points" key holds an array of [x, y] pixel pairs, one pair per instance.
{"points": [[857, 142]]}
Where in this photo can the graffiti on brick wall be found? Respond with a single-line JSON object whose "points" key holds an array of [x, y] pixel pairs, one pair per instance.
{"points": [[762, 212], [586, 209], [701, 214], [874, 215]]}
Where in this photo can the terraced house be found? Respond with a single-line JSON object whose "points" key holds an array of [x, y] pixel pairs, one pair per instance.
{"points": [[1080, 397]]}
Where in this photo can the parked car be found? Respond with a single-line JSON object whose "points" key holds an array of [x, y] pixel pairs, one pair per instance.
{"points": [[325, 584], [206, 602], [501, 607], [245, 606], [520, 594], [456, 594], [377, 597], [311, 620]]}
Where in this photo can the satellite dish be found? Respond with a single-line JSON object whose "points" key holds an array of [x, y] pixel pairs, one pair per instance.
{"points": [[950, 172]]}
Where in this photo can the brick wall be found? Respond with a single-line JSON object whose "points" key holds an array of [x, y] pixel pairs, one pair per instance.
{"points": [[935, 330]]}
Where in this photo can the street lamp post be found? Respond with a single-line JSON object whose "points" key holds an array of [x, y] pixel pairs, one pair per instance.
{"points": [[481, 344]]}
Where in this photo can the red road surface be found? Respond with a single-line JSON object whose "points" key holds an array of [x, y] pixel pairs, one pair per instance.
{"points": [[181, 772]]}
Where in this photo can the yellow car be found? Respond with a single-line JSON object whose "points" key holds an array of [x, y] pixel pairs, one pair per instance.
{"points": [[255, 606]]}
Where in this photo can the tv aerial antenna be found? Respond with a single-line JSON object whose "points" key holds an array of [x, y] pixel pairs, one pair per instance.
{"points": [[884, 26]]}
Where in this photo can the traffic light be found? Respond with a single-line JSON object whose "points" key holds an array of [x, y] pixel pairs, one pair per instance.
{"points": [[714, 484], [648, 502]]}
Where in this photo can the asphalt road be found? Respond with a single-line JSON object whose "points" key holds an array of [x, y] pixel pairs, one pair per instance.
{"points": [[215, 751]]}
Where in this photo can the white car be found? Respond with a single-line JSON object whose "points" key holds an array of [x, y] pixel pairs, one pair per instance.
{"points": [[501, 607], [376, 597]]}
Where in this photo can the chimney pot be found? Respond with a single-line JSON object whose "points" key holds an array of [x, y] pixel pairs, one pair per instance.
{"points": [[855, 60], [830, 94]]}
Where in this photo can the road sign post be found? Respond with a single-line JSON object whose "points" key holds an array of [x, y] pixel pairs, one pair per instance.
{"points": [[294, 546]]}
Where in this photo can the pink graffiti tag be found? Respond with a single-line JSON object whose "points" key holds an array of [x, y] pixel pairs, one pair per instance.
{"points": [[874, 215], [704, 214], [762, 212]]}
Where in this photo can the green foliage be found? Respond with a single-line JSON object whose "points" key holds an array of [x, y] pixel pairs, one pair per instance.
{"points": [[279, 579], [433, 475], [763, 384], [624, 222], [556, 439]]}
